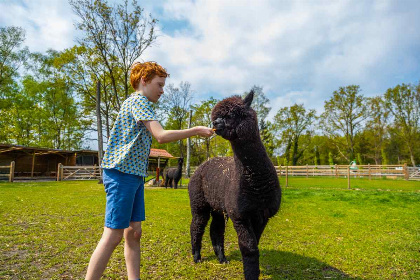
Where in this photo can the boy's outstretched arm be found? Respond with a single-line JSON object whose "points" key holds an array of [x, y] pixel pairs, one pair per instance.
{"points": [[165, 136]]}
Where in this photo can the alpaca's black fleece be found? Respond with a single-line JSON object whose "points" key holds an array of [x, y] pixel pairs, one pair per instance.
{"points": [[173, 175], [244, 188]]}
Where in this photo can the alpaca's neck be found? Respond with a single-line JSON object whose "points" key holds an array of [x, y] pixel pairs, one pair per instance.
{"points": [[253, 167], [250, 154]]}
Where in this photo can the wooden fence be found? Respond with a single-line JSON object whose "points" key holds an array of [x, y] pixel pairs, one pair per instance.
{"points": [[361, 171], [10, 171], [365, 171], [78, 172], [414, 173], [368, 171]]}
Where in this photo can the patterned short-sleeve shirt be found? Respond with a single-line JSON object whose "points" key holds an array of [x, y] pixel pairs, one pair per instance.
{"points": [[129, 142]]}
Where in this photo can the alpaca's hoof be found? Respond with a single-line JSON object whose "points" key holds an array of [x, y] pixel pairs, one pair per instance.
{"points": [[197, 258], [224, 260]]}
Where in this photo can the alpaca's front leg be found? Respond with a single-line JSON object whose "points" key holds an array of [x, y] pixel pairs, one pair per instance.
{"points": [[198, 225], [217, 234], [249, 249]]}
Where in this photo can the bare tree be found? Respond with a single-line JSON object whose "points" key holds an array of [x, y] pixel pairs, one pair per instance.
{"points": [[175, 104], [114, 37]]}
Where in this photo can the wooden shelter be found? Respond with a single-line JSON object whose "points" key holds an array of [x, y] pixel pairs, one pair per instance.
{"points": [[35, 162], [158, 160]]}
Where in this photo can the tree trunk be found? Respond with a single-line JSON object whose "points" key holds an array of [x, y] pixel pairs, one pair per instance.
{"points": [[413, 161], [188, 149], [99, 126]]}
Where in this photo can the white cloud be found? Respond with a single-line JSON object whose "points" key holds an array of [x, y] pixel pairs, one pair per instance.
{"points": [[48, 23], [311, 47], [298, 51]]}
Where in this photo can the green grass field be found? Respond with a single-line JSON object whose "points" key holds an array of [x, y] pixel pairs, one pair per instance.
{"points": [[48, 230]]}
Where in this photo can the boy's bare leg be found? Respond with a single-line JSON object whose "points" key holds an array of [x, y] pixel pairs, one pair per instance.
{"points": [[100, 257], [132, 236]]}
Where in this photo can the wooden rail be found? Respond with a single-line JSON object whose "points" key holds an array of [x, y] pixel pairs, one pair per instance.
{"points": [[366, 171], [78, 172], [390, 171], [414, 173], [11, 173]]}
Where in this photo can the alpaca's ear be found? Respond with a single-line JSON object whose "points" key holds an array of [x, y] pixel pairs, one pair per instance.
{"points": [[248, 99]]}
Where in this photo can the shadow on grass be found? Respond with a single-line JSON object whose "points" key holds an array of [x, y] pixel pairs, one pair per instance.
{"points": [[287, 265]]}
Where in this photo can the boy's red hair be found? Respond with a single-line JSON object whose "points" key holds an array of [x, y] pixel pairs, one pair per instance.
{"points": [[146, 70]]}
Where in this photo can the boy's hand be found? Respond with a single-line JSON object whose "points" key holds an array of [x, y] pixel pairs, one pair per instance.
{"points": [[204, 131]]}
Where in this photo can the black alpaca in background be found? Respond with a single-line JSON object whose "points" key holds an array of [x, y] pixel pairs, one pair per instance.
{"points": [[173, 175], [244, 188]]}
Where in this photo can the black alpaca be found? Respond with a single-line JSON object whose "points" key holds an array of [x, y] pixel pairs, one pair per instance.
{"points": [[244, 188], [173, 175]]}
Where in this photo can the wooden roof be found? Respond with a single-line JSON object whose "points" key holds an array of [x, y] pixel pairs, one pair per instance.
{"points": [[160, 153], [154, 153], [38, 151]]}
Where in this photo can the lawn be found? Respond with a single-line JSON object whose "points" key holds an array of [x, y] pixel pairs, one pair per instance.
{"points": [[48, 230]]}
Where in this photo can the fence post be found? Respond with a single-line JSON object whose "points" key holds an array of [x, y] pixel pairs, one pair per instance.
{"points": [[369, 172], [406, 175], [287, 175], [59, 172], [12, 172], [336, 171], [307, 171], [280, 170], [348, 176]]}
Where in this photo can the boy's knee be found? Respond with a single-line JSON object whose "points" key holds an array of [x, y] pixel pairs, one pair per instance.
{"points": [[135, 230], [137, 235], [112, 236]]}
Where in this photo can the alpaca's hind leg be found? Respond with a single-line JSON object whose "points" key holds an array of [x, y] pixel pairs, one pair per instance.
{"points": [[198, 225], [217, 234], [249, 249], [166, 181]]}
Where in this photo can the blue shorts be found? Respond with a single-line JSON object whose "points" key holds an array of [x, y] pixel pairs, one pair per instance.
{"points": [[124, 198]]}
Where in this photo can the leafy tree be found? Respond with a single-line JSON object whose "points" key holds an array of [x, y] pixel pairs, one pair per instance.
{"points": [[376, 128], [292, 123], [317, 159], [174, 105], [343, 116], [202, 116], [12, 55], [403, 102], [84, 70], [384, 157], [395, 150], [260, 104], [58, 122], [267, 137], [330, 158]]}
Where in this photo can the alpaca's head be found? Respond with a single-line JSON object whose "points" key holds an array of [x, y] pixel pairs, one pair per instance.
{"points": [[234, 118], [180, 160]]}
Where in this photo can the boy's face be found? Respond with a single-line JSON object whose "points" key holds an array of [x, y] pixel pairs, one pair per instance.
{"points": [[154, 89]]}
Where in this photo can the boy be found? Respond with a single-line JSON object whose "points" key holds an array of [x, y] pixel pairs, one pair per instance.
{"points": [[125, 164]]}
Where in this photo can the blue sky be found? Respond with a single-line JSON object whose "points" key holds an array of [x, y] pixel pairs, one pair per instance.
{"points": [[298, 51]]}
